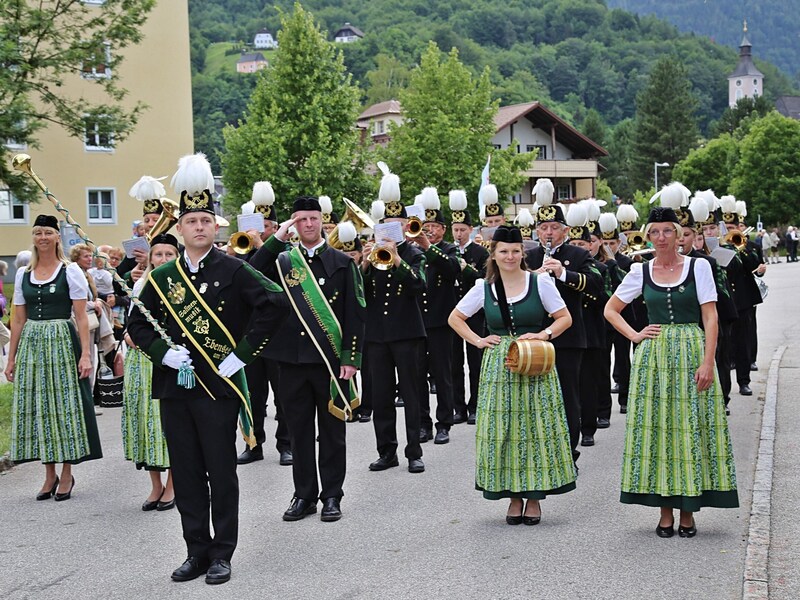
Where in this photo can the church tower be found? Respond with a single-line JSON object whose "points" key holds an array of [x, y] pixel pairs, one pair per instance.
{"points": [[746, 81]]}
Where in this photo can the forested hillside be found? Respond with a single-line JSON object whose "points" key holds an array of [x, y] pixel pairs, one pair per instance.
{"points": [[772, 24], [572, 55]]}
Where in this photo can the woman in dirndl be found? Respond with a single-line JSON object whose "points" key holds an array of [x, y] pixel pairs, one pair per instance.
{"points": [[142, 436], [49, 363], [522, 440], [677, 451]]}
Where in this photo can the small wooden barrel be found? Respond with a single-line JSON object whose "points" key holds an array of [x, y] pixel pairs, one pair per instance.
{"points": [[531, 357]]}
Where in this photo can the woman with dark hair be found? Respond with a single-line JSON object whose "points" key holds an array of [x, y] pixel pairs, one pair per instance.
{"points": [[522, 440], [677, 451], [49, 363]]}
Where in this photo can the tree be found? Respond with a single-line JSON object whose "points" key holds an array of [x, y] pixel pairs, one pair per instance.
{"points": [[665, 129], [732, 117], [593, 127], [618, 162], [45, 44], [298, 130], [387, 79], [446, 135], [710, 166], [767, 174]]}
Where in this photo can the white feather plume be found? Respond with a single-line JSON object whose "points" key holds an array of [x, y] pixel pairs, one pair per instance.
{"points": [[390, 185], [673, 195], [248, 208], [626, 213], [458, 200], [347, 232], [378, 210], [430, 199], [482, 212], [592, 208], [576, 217], [741, 208], [193, 175], [262, 194], [524, 218], [543, 190], [488, 194], [699, 209], [325, 204], [608, 222], [708, 196], [148, 188], [728, 204], [418, 200]]}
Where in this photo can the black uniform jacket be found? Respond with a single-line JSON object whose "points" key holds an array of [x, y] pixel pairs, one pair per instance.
{"points": [[475, 257], [441, 274], [726, 309], [740, 275], [594, 301], [580, 277], [393, 298], [340, 282], [250, 306]]}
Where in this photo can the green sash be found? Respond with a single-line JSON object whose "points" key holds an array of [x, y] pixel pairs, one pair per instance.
{"points": [[208, 334], [320, 322]]}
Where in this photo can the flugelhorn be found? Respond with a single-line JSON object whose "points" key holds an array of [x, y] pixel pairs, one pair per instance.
{"points": [[414, 227], [166, 220], [381, 257], [241, 243], [737, 238]]}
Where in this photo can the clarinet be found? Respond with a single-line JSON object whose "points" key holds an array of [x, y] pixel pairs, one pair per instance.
{"points": [[547, 253]]}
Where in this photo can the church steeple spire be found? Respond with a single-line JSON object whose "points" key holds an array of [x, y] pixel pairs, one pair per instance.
{"points": [[746, 80]]}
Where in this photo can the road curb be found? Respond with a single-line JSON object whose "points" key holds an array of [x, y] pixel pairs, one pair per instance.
{"points": [[756, 562]]}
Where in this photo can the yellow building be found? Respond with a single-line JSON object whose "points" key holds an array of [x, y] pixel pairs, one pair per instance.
{"points": [[92, 180]]}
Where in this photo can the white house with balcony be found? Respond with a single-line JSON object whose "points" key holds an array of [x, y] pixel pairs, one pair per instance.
{"points": [[264, 41], [347, 33]]}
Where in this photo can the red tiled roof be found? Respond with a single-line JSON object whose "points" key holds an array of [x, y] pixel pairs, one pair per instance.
{"points": [[381, 108]]}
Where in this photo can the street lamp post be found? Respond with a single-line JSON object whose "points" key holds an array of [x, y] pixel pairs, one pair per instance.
{"points": [[655, 171]]}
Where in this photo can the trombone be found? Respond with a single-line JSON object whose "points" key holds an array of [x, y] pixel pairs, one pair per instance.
{"points": [[738, 239]]}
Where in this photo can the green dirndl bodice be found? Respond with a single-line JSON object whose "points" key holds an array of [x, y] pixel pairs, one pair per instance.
{"points": [[522, 440], [677, 450], [53, 416]]}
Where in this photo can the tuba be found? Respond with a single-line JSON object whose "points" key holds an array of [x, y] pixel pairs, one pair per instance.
{"points": [[166, 220], [358, 217]]}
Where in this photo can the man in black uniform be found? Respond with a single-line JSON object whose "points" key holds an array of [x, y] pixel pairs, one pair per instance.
{"points": [[438, 301], [395, 338], [571, 268], [149, 191], [472, 260], [223, 311], [319, 351]]}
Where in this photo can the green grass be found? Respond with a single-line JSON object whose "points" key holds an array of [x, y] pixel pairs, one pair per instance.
{"points": [[5, 417], [217, 62]]}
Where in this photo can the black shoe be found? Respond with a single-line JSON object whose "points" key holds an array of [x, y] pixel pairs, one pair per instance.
{"points": [[471, 419], [330, 510], [623, 409], [433, 388], [299, 509], [745, 390], [168, 505], [218, 572], [753, 367], [587, 440], [727, 411], [286, 458], [513, 520], [149, 505], [687, 532], [66, 496], [532, 520], [425, 435], [364, 417], [192, 568], [250, 455], [615, 388], [665, 532], [603, 423], [384, 462], [442, 437], [415, 465], [459, 417], [399, 402], [49, 494]]}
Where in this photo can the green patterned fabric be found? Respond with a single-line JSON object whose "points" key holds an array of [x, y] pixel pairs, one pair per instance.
{"points": [[143, 438], [522, 440], [677, 449]]}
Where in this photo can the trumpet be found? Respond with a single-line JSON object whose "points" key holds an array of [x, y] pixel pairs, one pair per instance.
{"points": [[241, 243], [414, 227], [166, 220], [737, 238], [381, 257], [636, 244]]}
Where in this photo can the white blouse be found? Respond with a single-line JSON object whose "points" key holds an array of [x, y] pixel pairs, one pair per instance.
{"points": [[631, 286], [552, 301], [78, 286]]}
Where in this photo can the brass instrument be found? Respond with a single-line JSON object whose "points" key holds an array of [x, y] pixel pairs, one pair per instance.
{"points": [[381, 257], [636, 242], [166, 220], [358, 217], [414, 227], [736, 238], [241, 243]]}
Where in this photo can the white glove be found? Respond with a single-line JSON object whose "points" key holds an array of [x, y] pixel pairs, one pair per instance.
{"points": [[175, 358], [230, 365]]}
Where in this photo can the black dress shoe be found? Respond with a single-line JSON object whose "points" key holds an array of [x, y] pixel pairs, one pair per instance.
{"points": [[48, 494], [299, 509], [687, 532], [745, 390], [386, 461], [532, 520], [330, 510], [286, 458], [587, 440], [459, 417], [623, 410], [753, 367], [425, 435], [250, 455], [471, 419], [218, 572], [168, 505], [665, 532], [65, 496], [149, 505], [442, 437], [364, 417], [415, 465], [192, 568], [727, 411], [603, 423], [514, 519]]}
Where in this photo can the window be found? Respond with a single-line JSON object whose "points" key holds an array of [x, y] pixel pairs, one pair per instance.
{"points": [[379, 127], [96, 138], [739, 94], [755, 82], [11, 209], [738, 82], [497, 146], [541, 148], [563, 191], [98, 66], [101, 206]]}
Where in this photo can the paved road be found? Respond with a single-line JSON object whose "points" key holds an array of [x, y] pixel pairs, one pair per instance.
{"points": [[414, 536]]}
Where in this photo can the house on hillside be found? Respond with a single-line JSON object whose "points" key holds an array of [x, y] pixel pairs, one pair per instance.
{"points": [[264, 41], [565, 156], [788, 106], [348, 33], [374, 122], [251, 62]]}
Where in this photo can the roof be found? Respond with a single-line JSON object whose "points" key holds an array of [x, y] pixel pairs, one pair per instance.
{"points": [[381, 108], [352, 28], [542, 118], [252, 57], [263, 31], [746, 67], [788, 106]]}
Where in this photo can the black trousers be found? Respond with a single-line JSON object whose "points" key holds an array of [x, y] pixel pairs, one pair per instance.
{"points": [[366, 387], [591, 387], [622, 366], [201, 438], [263, 374], [474, 357], [568, 365], [740, 338], [754, 336], [408, 357], [439, 344], [603, 382], [723, 360], [305, 390]]}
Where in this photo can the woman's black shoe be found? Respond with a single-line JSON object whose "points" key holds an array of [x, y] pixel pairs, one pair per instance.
{"points": [[687, 532], [514, 520], [532, 520], [49, 494], [162, 506], [665, 532], [149, 505], [67, 495]]}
